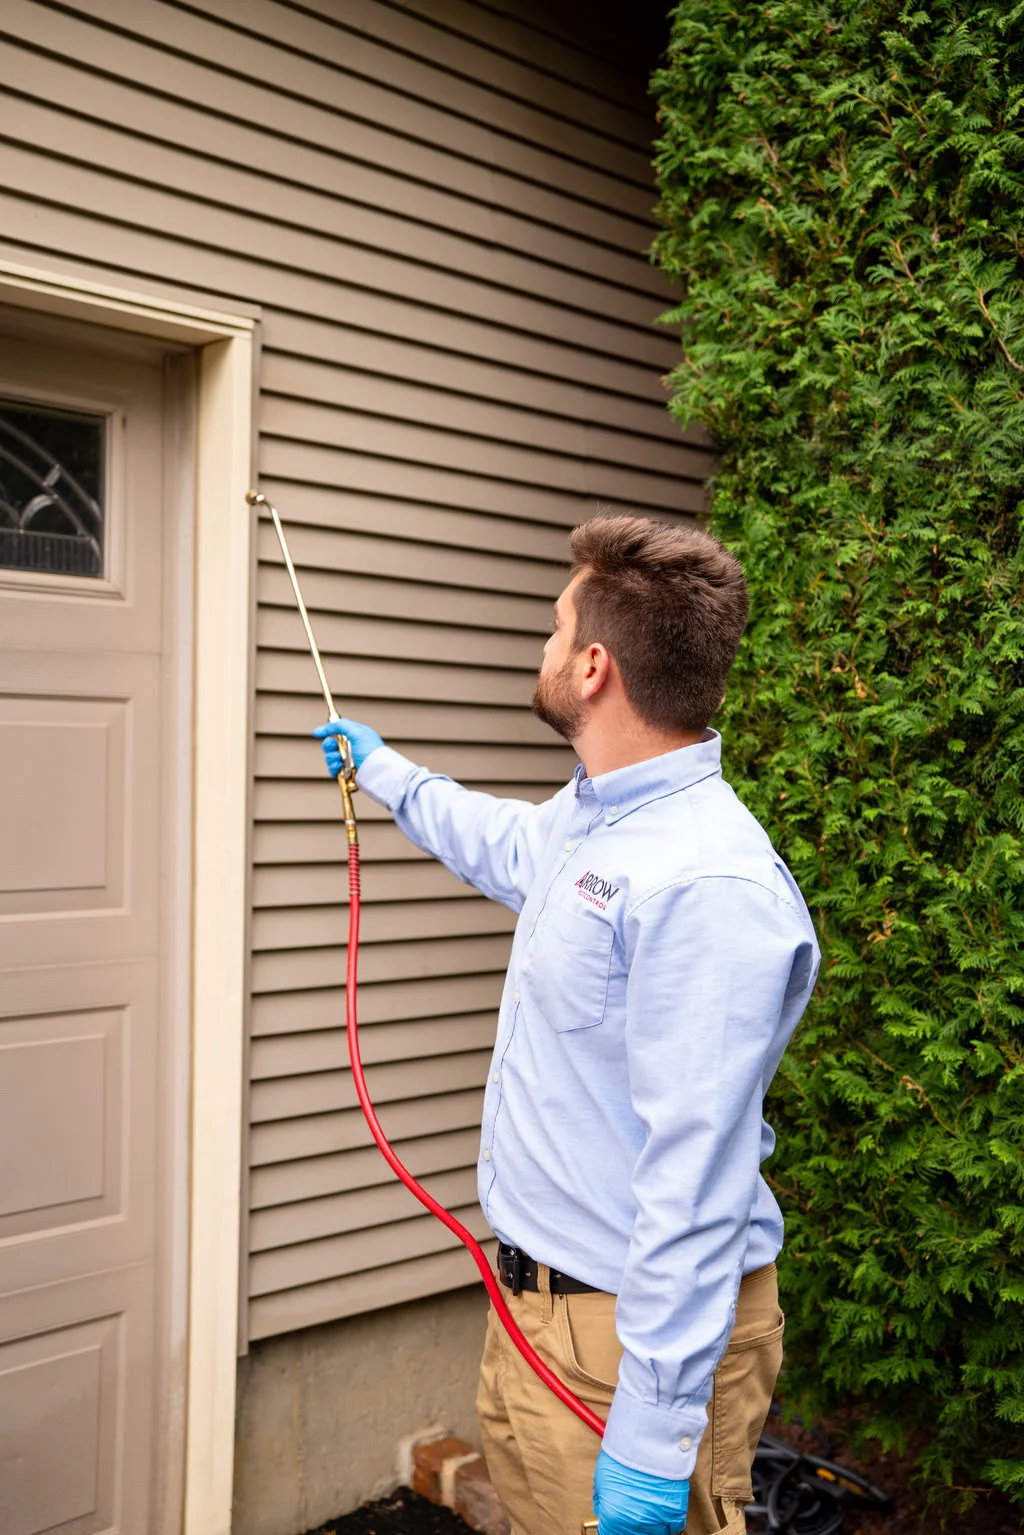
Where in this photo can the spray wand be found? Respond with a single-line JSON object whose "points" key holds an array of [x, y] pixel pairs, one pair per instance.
{"points": [[347, 785]]}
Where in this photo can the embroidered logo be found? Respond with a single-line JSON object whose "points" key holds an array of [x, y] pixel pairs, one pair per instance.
{"points": [[596, 890]]}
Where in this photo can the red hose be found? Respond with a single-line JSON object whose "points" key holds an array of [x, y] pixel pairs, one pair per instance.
{"points": [[506, 1318]]}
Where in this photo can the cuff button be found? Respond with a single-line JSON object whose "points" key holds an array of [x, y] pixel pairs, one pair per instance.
{"points": [[685, 1442]]}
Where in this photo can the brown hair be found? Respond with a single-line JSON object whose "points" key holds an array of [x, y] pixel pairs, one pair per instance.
{"points": [[670, 604]]}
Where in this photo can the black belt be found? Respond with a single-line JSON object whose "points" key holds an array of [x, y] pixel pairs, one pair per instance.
{"points": [[518, 1271]]}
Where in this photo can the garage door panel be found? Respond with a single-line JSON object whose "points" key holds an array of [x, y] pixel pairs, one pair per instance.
{"points": [[76, 1136], [75, 1406], [61, 821], [61, 1120], [79, 743]]}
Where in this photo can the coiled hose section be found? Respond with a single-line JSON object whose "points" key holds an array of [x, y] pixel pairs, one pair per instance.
{"points": [[506, 1318]]}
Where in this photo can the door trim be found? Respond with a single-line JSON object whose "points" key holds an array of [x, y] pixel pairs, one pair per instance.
{"points": [[213, 946]]}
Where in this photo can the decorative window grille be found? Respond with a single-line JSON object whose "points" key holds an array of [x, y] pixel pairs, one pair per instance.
{"points": [[52, 474]]}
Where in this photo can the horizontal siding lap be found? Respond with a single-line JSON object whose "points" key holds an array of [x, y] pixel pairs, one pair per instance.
{"points": [[558, 421], [322, 1134], [325, 1050], [453, 529], [326, 884], [371, 1290], [614, 394], [349, 468], [653, 483], [366, 592], [336, 1215], [325, 1092], [344, 634], [324, 1259], [286, 1183], [414, 720], [413, 959], [408, 559], [319, 842], [285, 757], [441, 210], [297, 928], [289, 672], [436, 405], [387, 1001], [274, 800]]}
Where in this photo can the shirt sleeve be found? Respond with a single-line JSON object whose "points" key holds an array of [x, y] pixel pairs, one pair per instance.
{"points": [[488, 842], [718, 974]]}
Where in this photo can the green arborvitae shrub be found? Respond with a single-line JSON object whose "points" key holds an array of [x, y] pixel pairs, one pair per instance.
{"points": [[843, 204]]}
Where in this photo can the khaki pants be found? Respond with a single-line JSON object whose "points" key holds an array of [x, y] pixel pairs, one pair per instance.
{"points": [[541, 1457]]}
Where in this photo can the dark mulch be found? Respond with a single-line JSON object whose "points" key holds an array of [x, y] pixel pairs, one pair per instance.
{"points": [[404, 1513], [910, 1513]]}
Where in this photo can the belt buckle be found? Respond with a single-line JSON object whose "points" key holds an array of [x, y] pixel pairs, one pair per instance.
{"points": [[516, 1275]]}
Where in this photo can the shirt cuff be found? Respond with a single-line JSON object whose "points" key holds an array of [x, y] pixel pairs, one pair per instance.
{"points": [[659, 1440], [385, 776]]}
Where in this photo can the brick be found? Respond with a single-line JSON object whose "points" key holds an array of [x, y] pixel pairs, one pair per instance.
{"points": [[427, 1462]]}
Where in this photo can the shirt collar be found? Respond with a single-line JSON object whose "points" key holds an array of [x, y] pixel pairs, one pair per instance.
{"points": [[628, 788]]}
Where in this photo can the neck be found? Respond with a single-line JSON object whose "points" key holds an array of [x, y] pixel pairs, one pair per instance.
{"points": [[602, 750]]}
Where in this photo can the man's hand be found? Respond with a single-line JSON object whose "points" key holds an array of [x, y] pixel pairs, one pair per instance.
{"points": [[629, 1502], [362, 739]]}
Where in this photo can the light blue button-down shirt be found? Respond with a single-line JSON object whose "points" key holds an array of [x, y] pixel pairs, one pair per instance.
{"points": [[662, 958]]}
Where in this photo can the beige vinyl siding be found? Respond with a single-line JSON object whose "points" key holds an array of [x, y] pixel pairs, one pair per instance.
{"points": [[440, 207]]}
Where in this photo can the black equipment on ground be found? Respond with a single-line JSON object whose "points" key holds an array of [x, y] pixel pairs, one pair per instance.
{"points": [[797, 1494]]}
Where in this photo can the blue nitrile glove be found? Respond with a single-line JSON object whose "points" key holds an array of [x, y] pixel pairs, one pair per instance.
{"points": [[630, 1502], [362, 739]]}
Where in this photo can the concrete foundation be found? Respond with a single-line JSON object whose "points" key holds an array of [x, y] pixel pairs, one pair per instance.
{"points": [[320, 1412]]}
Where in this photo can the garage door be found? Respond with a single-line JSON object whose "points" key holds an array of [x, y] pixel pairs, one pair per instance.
{"points": [[82, 736]]}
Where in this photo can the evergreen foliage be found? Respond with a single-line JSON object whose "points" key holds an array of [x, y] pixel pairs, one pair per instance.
{"points": [[843, 201]]}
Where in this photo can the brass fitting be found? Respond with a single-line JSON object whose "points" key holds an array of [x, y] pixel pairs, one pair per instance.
{"points": [[347, 784]]}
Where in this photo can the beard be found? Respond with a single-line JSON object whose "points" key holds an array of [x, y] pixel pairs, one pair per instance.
{"points": [[556, 702]]}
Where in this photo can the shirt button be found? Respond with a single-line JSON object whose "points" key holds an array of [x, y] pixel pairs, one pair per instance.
{"points": [[686, 1441], [487, 1156], [613, 809], [568, 847], [496, 1077], [515, 996]]}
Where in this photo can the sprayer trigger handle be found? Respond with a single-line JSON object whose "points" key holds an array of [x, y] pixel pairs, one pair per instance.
{"points": [[348, 762]]}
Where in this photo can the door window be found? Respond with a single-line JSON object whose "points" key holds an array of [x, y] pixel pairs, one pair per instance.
{"points": [[52, 489]]}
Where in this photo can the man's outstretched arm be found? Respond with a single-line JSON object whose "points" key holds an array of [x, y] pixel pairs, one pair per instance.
{"points": [[490, 843]]}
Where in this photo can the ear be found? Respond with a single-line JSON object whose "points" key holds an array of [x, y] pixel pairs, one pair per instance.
{"points": [[597, 669]]}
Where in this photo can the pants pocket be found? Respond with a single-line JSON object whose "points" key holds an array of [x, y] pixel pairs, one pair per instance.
{"points": [[590, 1348], [740, 1399]]}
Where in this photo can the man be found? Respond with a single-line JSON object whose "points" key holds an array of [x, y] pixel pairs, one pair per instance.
{"points": [[662, 958]]}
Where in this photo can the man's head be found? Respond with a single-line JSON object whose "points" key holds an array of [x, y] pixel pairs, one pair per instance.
{"points": [[650, 622]]}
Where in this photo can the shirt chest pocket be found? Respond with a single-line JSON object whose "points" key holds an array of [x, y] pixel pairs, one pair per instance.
{"points": [[567, 966]]}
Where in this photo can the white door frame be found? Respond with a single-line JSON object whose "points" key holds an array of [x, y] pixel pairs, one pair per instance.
{"points": [[204, 1369]]}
